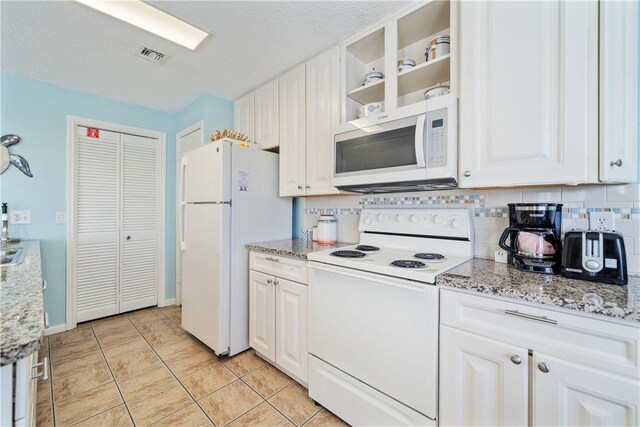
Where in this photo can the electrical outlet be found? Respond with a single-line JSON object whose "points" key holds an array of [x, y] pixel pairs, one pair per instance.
{"points": [[501, 256], [601, 221], [61, 217], [20, 217]]}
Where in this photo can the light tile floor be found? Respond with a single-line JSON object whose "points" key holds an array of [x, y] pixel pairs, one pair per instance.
{"points": [[141, 368]]}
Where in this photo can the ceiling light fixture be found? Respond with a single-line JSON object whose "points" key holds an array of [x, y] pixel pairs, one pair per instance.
{"points": [[142, 15]]}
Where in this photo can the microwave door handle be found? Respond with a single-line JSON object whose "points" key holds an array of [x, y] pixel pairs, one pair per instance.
{"points": [[420, 157]]}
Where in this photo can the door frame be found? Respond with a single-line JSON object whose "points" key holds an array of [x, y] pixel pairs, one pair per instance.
{"points": [[72, 122], [184, 132]]}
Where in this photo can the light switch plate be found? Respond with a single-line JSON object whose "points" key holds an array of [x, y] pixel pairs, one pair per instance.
{"points": [[602, 221], [20, 217], [61, 217]]}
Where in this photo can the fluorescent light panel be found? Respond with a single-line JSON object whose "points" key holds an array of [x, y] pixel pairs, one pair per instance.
{"points": [[147, 17]]}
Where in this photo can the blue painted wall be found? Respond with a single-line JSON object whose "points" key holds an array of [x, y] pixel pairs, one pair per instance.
{"points": [[217, 113], [37, 113]]}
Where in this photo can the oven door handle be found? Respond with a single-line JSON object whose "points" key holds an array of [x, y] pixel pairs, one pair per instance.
{"points": [[421, 161], [382, 280]]}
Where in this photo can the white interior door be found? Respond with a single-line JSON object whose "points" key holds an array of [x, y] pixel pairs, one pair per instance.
{"points": [[116, 223], [140, 220], [186, 140], [97, 223]]}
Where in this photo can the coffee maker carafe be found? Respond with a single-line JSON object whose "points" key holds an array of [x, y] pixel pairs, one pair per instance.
{"points": [[534, 233]]}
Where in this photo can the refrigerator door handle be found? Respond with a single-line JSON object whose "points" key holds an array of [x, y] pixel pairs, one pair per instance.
{"points": [[182, 202], [183, 243]]}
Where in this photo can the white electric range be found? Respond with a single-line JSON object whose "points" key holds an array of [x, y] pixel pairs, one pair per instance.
{"points": [[373, 314]]}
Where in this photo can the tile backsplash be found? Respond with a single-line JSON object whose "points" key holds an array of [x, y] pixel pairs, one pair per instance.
{"points": [[490, 210]]}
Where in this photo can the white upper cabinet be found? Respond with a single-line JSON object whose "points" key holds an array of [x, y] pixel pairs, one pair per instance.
{"points": [[309, 110], [292, 132], [243, 115], [266, 115], [618, 91], [528, 93], [323, 114]]}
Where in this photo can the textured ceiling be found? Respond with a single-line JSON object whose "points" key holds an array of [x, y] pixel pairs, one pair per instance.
{"points": [[70, 45]]}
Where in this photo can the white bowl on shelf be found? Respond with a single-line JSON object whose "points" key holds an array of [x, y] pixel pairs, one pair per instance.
{"points": [[371, 108]]}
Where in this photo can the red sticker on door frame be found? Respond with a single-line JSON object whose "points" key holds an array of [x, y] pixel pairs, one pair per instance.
{"points": [[93, 133]]}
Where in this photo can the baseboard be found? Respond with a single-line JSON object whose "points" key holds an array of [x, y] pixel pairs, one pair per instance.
{"points": [[55, 329], [170, 301]]}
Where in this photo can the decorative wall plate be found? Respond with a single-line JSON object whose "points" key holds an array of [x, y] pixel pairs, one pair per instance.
{"points": [[6, 158]]}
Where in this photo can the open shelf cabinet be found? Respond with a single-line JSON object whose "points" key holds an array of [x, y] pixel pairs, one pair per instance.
{"points": [[406, 35]]}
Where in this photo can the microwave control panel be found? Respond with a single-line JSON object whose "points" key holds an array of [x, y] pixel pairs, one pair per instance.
{"points": [[436, 127]]}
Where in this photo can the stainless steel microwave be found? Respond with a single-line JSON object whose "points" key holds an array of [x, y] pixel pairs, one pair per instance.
{"points": [[409, 154]]}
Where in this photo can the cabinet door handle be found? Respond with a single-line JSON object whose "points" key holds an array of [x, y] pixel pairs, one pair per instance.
{"points": [[544, 319], [269, 281], [275, 282], [272, 259], [128, 237], [307, 187], [45, 370], [544, 368], [516, 359], [299, 187], [467, 173], [44, 285], [616, 163]]}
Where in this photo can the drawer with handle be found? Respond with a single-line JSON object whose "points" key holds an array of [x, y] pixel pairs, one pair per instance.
{"points": [[603, 344], [280, 266]]}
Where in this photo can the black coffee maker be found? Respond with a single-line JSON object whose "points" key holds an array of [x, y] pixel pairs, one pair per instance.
{"points": [[534, 234]]}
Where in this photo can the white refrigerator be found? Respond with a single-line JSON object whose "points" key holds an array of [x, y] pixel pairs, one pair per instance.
{"points": [[228, 198]]}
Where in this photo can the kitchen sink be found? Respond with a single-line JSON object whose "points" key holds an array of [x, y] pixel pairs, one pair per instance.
{"points": [[11, 256]]}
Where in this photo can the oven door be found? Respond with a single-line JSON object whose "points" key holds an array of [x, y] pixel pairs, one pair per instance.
{"points": [[389, 152], [380, 330]]}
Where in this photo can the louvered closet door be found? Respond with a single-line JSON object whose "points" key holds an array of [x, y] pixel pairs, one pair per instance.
{"points": [[140, 220], [97, 180]]}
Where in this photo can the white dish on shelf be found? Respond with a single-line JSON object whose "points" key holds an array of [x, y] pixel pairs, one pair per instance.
{"points": [[371, 108], [437, 90], [373, 76]]}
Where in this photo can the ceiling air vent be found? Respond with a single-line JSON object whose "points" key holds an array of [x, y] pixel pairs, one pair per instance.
{"points": [[152, 55]]}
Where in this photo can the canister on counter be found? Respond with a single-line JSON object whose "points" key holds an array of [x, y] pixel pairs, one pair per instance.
{"points": [[327, 229]]}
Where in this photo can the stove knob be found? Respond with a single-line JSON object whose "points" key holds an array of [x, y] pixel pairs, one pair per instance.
{"points": [[367, 220], [380, 218], [436, 219], [414, 218], [399, 218], [454, 223]]}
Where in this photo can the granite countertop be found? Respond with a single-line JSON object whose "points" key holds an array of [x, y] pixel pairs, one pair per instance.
{"points": [[503, 280], [293, 248], [21, 305]]}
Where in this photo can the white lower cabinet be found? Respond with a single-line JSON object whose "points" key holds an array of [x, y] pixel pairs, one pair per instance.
{"points": [[483, 381], [18, 390], [501, 364], [291, 327], [278, 321], [262, 326], [570, 394]]}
